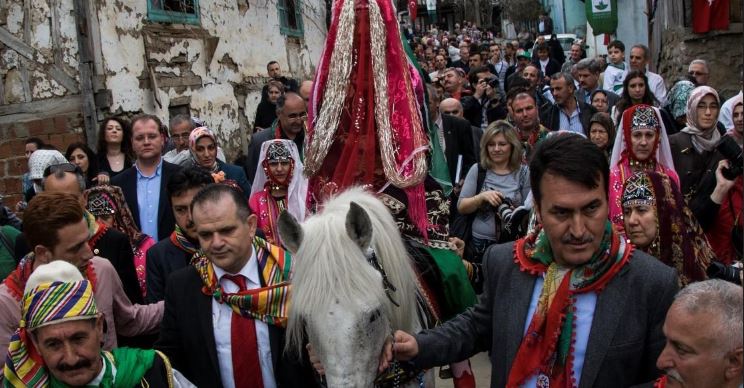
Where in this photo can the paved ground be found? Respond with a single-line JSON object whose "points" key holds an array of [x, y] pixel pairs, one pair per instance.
{"points": [[481, 368]]}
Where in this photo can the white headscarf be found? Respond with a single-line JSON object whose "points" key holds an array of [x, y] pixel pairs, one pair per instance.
{"points": [[297, 188], [39, 161]]}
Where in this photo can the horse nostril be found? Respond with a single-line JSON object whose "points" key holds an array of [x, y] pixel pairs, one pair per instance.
{"points": [[373, 317]]}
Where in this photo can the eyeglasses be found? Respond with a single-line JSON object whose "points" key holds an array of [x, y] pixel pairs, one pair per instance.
{"points": [[183, 136], [64, 167], [696, 73], [295, 116]]}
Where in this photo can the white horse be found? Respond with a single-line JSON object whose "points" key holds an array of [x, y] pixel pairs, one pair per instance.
{"points": [[347, 307]]}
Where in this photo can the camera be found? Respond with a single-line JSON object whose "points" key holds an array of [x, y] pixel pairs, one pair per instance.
{"points": [[732, 152], [494, 82], [728, 273]]}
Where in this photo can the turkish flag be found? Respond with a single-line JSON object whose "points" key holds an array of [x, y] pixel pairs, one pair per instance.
{"points": [[710, 15]]}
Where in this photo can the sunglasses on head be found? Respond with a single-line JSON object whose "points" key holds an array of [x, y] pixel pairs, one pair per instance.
{"points": [[64, 167]]}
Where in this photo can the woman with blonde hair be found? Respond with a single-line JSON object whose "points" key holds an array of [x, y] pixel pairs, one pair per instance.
{"points": [[494, 187]]}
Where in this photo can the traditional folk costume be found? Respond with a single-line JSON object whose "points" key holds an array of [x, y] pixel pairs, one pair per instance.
{"points": [[106, 200], [680, 242], [48, 301], [624, 163], [366, 128], [265, 201], [546, 354]]}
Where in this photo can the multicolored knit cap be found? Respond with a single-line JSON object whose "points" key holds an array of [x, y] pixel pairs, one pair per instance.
{"points": [[638, 191], [54, 293]]}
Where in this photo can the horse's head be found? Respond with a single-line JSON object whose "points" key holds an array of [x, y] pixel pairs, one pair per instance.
{"points": [[338, 297]]}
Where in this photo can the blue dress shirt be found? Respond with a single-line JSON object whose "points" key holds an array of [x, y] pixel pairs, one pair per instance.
{"points": [[148, 200]]}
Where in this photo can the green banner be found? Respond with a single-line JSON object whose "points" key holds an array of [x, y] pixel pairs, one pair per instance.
{"points": [[602, 16]]}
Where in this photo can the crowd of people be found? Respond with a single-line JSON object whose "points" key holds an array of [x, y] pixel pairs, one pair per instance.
{"points": [[574, 185]]}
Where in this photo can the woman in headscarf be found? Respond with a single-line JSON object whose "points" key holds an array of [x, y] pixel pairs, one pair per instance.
{"points": [[694, 148], [719, 202], [107, 204], [602, 132], [266, 110], [677, 102], [203, 148], [279, 185], [641, 145], [658, 221]]}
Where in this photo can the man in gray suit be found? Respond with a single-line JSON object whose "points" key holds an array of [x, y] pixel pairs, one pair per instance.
{"points": [[571, 303]]}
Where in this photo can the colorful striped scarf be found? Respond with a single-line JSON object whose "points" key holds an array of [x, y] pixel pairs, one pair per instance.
{"points": [[53, 302], [270, 303], [547, 347], [179, 239]]}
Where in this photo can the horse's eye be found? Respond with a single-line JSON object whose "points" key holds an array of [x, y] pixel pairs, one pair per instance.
{"points": [[373, 317]]}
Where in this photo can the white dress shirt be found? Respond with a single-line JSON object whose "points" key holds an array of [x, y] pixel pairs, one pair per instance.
{"points": [[658, 89], [585, 305], [222, 318]]}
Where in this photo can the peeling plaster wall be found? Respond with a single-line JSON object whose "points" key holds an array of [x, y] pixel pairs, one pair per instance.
{"points": [[26, 80], [220, 86]]}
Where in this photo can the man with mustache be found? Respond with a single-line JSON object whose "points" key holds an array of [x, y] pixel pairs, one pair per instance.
{"points": [[58, 342], [704, 337], [570, 304], [175, 251], [56, 229]]}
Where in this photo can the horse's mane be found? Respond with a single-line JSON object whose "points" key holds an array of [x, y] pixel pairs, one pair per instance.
{"points": [[327, 265]]}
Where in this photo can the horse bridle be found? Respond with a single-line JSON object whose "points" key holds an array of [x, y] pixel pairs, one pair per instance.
{"points": [[386, 285]]}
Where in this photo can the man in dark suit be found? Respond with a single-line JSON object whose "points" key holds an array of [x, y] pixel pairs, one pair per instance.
{"points": [[144, 182], [291, 112], [175, 251], [587, 73], [576, 278], [454, 134], [204, 333], [567, 113]]}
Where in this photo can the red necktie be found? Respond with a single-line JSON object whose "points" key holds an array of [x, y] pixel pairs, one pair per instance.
{"points": [[244, 345]]}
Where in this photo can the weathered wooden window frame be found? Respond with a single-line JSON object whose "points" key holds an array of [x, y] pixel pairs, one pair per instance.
{"points": [[163, 16], [284, 28]]}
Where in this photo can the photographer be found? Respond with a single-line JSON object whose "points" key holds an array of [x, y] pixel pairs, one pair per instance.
{"points": [[495, 189], [484, 106], [718, 208]]}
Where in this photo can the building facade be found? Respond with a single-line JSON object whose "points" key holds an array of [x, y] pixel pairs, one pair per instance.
{"points": [[68, 64]]}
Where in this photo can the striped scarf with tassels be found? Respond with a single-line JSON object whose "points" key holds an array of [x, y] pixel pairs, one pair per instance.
{"points": [[269, 303]]}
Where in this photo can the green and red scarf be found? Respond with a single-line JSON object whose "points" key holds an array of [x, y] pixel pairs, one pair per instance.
{"points": [[269, 303], [547, 347]]}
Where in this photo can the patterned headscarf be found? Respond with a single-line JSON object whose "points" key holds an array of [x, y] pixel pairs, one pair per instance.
{"points": [[680, 242], [702, 140], [55, 293], [678, 96], [109, 200], [197, 134]]}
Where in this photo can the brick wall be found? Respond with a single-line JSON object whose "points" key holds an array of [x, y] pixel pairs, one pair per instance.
{"points": [[59, 131]]}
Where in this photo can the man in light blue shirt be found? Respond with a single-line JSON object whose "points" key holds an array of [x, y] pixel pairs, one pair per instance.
{"points": [[143, 182]]}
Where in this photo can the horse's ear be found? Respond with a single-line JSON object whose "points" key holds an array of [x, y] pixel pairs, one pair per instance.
{"points": [[359, 225], [290, 231]]}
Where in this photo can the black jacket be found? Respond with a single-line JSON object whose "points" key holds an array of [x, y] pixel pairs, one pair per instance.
{"points": [[550, 116], [163, 259], [127, 180], [458, 140], [187, 337]]}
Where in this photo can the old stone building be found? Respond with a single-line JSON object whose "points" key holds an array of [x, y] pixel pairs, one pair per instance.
{"points": [[675, 45], [68, 64]]}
